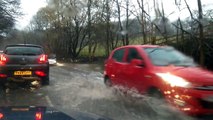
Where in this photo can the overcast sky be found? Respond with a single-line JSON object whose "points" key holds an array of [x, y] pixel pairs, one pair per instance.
{"points": [[30, 7]]}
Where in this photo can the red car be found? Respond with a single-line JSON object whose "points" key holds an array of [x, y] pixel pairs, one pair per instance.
{"points": [[164, 71]]}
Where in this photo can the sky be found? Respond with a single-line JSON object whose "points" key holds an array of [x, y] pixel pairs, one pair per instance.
{"points": [[30, 7]]}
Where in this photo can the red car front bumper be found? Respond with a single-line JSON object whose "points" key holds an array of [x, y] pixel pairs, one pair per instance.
{"points": [[191, 101]]}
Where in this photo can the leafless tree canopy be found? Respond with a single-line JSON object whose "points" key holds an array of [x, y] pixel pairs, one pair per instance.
{"points": [[74, 28]]}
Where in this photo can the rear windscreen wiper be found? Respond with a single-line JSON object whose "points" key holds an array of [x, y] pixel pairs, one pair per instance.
{"points": [[29, 54]]}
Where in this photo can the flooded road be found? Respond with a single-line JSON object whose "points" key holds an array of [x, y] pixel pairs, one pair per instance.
{"points": [[80, 87]]}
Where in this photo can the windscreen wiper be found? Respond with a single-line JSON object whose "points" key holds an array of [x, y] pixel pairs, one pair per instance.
{"points": [[29, 54], [153, 50]]}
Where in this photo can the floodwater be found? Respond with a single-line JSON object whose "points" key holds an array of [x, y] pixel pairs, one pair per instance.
{"points": [[80, 87]]}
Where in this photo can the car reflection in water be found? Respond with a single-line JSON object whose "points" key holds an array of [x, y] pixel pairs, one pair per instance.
{"points": [[43, 113]]}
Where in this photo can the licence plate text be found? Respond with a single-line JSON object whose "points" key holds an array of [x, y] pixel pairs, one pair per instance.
{"points": [[23, 73]]}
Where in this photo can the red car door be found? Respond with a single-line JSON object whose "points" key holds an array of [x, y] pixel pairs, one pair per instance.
{"points": [[117, 65], [136, 75]]}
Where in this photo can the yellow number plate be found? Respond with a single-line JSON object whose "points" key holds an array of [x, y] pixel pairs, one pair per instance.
{"points": [[20, 109], [23, 73]]}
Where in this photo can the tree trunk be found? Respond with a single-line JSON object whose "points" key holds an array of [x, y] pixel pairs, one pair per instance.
{"points": [[120, 23], [107, 28], [200, 17], [89, 28], [127, 22], [143, 23], [177, 34]]}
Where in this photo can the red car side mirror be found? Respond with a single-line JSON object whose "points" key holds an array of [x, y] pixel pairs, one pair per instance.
{"points": [[137, 62]]}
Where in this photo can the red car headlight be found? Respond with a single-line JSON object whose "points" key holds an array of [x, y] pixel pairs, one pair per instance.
{"points": [[174, 80]]}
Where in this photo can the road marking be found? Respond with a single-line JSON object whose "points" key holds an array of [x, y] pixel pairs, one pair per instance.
{"points": [[49, 101]]}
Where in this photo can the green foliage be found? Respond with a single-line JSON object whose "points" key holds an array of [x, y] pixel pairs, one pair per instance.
{"points": [[100, 52]]}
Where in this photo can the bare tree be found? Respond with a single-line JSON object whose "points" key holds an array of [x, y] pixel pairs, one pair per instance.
{"points": [[120, 26], [164, 22], [89, 5], [143, 21], [9, 11], [201, 39], [108, 16], [201, 36], [127, 22]]}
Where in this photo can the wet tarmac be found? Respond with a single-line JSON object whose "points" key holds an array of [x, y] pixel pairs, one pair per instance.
{"points": [[80, 87]]}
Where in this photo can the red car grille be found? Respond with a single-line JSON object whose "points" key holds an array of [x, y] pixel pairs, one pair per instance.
{"points": [[206, 88], [206, 104]]}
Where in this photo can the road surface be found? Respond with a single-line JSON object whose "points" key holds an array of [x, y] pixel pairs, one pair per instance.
{"points": [[80, 87]]}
